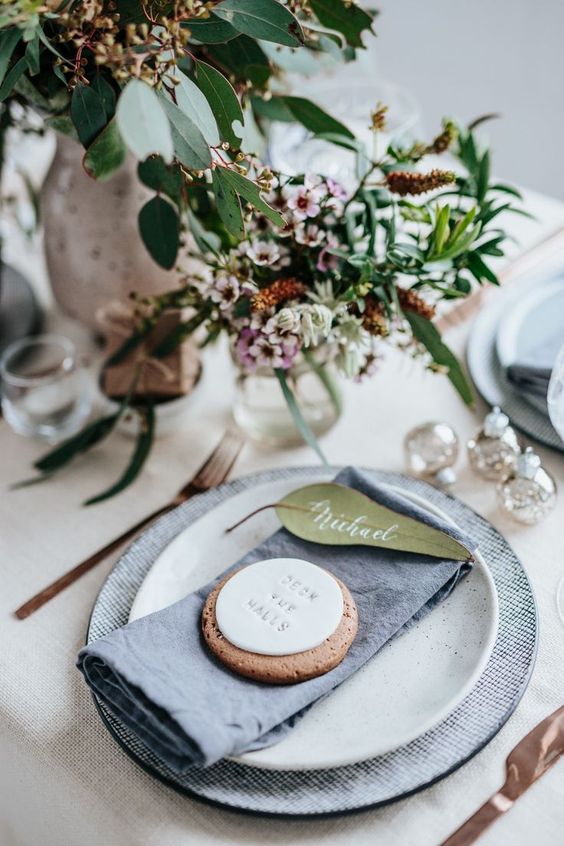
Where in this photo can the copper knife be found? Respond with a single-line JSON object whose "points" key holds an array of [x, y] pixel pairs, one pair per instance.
{"points": [[530, 759]]}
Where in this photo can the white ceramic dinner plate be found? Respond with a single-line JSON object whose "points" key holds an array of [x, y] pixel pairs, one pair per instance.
{"points": [[528, 414], [531, 329], [413, 683]]}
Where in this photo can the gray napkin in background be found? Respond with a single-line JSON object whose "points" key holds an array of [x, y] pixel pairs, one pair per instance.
{"points": [[157, 676]]}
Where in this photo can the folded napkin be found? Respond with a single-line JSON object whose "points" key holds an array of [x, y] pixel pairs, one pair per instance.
{"points": [[530, 379], [157, 676]]}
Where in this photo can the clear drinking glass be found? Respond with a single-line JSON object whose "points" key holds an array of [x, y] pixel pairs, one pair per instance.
{"points": [[294, 150], [261, 411], [555, 400], [45, 391]]}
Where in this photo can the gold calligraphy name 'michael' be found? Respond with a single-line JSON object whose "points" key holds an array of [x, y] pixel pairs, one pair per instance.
{"points": [[326, 519]]}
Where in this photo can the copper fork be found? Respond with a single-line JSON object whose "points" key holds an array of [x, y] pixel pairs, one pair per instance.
{"points": [[213, 472]]}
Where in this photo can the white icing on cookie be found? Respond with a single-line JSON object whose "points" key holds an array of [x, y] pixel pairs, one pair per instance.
{"points": [[280, 606]]}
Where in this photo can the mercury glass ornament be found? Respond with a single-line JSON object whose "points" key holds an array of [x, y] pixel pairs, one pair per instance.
{"points": [[529, 493], [493, 450], [430, 449]]}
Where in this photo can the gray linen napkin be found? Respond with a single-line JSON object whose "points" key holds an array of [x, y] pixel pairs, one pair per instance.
{"points": [[157, 676]]}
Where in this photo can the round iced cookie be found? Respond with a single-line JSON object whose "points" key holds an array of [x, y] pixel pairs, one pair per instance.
{"points": [[280, 606], [280, 621]]}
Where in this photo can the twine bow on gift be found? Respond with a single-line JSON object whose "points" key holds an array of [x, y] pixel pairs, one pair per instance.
{"points": [[120, 319]]}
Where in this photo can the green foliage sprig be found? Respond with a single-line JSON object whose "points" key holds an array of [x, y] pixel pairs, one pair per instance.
{"points": [[176, 80], [346, 273]]}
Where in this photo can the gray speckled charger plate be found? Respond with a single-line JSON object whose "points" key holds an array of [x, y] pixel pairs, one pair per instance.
{"points": [[488, 376], [377, 781]]}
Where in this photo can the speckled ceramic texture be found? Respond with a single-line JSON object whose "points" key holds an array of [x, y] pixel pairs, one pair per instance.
{"points": [[93, 249], [413, 682], [371, 782]]}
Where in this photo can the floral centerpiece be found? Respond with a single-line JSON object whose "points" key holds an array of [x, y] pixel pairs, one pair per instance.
{"points": [[180, 81], [347, 273]]}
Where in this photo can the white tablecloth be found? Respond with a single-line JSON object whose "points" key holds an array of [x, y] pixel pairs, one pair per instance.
{"points": [[63, 781]]}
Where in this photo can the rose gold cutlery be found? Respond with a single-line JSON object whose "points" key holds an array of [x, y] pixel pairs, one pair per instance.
{"points": [[530, 759], [213, 472]]}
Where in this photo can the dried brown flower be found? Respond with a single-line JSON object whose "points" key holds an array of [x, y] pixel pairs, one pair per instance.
{"points": [[404, 182], [374, 318], [278, 292], [410, 300], [444, 140], [378, 117]]}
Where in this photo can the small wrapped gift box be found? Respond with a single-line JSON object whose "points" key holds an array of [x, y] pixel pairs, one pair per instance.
{"points": [[171, 376]]}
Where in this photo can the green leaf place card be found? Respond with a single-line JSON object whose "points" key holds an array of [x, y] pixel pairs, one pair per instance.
{"points": [[337, 515]]}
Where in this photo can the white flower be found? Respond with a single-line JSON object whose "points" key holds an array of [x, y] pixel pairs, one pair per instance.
{"points": [[263, 253], [260, 319], [286, 321], [355, 343], [350, 360], [305, 200], [350, 330], [267, 353], [324, 295], [316, 321], [310, 234], [248, 287], [226, 290]]}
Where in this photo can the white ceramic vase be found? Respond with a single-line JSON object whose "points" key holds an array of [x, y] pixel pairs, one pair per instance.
{"points": [[93, 249]]}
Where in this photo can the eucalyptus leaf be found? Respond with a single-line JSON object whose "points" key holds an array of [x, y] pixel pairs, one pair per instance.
{"points": [[348, 19], [333, 514], [344, 141], [299, 419], [131, 11], [142, 121], [190, 146], [242, 57], [62, 454], [206, 241], [9, 39], [228, 204], [12, 77], [160, 230], [325, 378], [32, 56], [106, 93], [142, 449], [251, 192], [166, 179], [223, 100], [193, 102], [313, 117], [88, 113], [427, 334], [267, 20], [211, 30], [106, 154], [159, 227]]}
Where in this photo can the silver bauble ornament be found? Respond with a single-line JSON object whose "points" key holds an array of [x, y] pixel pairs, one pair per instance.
{"points": [[493, 450], [528, 493]]}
